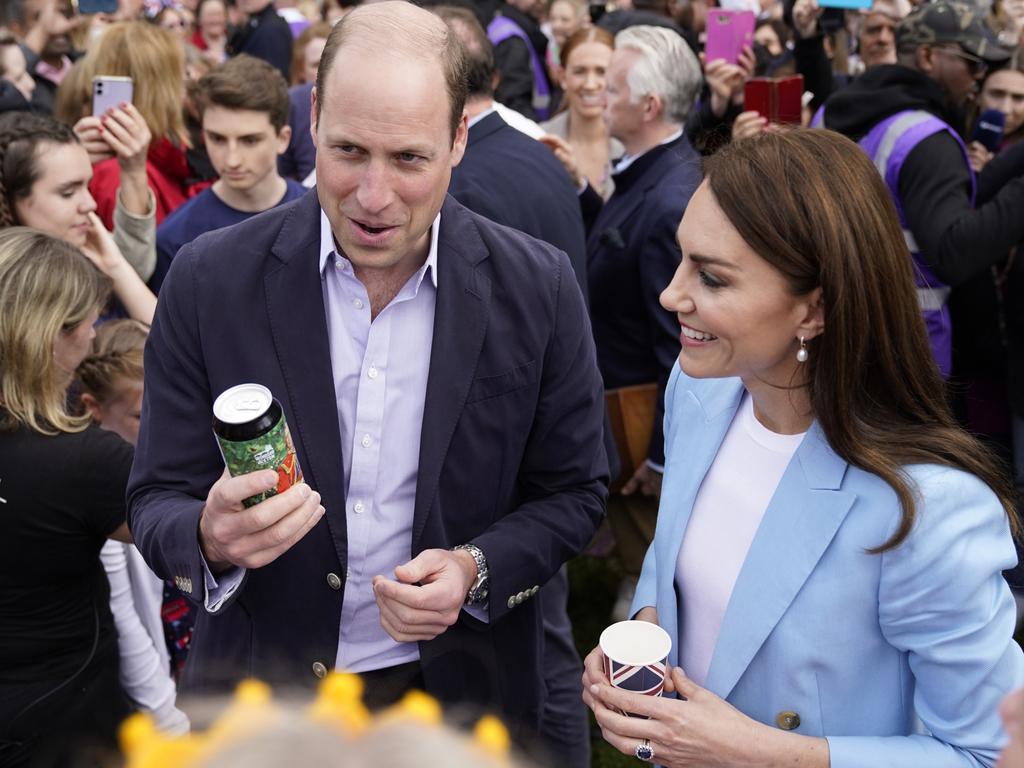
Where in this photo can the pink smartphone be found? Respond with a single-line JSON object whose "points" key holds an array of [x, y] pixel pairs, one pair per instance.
{"points": [[109, 91], [727, 33]]}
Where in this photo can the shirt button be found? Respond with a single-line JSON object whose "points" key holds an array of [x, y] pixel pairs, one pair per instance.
{"points": [[319, 669], [339, 264], [348, 573], [357, 303], [333, 581], [372, 373], [366, 442], [358, 507]]}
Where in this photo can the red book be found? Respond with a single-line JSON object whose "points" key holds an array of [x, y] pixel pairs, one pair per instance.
{"points": [[777, 99]]}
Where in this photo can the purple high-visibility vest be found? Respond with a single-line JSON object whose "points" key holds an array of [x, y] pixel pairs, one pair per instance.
{"points": [[888, 145], [501, 29]]}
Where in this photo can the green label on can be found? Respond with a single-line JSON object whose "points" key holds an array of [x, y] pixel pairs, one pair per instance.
{"points": [[273, 450]]}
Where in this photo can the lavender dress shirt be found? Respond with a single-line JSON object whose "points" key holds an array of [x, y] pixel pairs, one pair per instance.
{"points": [[380, 383]]}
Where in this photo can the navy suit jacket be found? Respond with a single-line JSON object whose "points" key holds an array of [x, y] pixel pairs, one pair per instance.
{"points": [[517, 181], [266, 36], [300, 157], [632, 255], [510, 454]]}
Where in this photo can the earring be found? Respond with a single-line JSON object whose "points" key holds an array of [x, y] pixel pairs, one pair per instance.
{"points": [[801, 354]]}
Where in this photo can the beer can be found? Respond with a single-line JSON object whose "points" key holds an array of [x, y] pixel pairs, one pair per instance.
{"points": [[253, 435]]}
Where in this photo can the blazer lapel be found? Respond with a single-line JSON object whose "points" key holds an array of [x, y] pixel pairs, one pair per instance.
{"points": [[298, 323], [800, 522], [684, 475], [460, 324]]}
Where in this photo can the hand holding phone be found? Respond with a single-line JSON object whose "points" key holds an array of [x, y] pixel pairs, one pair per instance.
{"points": [[109, 91], [727, 34]]}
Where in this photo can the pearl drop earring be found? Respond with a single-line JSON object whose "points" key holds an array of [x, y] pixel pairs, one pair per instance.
{"points": [[801, 354]]}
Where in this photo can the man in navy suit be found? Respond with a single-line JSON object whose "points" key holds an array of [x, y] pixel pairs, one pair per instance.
{"points": [[439, 379], [516, 181], [653, 79]]}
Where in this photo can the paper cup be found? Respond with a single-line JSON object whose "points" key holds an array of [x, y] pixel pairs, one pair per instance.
{"points": [[636, 657]]}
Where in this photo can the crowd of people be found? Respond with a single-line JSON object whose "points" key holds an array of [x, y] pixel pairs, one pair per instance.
{"points": [[527, 279]]}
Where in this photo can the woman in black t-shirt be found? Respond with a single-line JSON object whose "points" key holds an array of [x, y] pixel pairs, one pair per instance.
{"points": [[62, 487]]}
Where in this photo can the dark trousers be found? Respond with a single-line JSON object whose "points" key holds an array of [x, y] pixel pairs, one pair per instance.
{"points": [[564, 725], [384, 687]]}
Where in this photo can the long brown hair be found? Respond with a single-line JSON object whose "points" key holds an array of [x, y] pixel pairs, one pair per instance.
{"points": [[813, 206]]}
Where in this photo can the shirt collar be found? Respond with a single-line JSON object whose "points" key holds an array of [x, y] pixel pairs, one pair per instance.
{"points": [[473, 121], [628, 160], [328, 248]]}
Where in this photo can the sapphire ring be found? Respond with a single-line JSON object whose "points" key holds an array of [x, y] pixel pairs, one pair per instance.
{"points": [[644, 751]]}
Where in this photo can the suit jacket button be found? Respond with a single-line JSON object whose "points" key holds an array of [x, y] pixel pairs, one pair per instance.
{"points": [[788, 721], [333, 581], [319, 669], [512, 602]]}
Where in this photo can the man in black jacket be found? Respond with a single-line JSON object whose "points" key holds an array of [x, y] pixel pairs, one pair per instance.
{"points": [[520, 51], [942, 49], [265, 35]]}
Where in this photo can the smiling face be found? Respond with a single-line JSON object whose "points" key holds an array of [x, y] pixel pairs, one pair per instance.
{"points": [[213, 20], [585, 80], [59, 203], [384, 156], [736, 312]]}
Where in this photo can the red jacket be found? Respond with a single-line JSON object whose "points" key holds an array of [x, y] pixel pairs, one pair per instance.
{"points": [[168, 175]]}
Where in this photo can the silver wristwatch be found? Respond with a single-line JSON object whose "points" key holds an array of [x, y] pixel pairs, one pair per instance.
{"points": [[481, 584]]}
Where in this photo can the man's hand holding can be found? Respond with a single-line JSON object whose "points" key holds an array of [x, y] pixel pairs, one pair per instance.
{"points": [[231, 534]]}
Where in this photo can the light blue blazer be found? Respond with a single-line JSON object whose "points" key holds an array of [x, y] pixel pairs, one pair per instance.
{"points": [[899, 659]]}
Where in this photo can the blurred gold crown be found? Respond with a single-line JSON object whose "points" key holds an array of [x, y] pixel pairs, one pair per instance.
{"points": [[338, 708]]}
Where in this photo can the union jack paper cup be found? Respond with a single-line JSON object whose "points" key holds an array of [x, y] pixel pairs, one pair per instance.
{"points": [[635, 657]]}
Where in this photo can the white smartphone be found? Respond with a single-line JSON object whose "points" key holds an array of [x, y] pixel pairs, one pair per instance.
{"points": [[109, 91]]}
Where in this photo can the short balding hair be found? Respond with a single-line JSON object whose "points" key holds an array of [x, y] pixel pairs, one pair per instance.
{"points": [[398, 26]]}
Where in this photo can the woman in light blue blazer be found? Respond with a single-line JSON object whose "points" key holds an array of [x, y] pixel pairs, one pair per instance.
{"points": [[830, 543]]}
